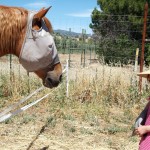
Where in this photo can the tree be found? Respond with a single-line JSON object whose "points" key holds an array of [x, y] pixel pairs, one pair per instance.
{"points": [[118, 20]]}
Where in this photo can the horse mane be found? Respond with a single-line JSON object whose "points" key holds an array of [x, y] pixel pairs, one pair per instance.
{"points": [[12, 21]]}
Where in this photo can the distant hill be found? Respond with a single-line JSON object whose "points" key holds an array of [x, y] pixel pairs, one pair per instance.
{"points": [[68, 33]]}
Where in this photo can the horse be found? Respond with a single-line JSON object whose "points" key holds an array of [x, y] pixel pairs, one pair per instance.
{"points": [[27, 35]]}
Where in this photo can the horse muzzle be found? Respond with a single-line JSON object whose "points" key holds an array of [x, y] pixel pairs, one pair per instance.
{"points": [[52, 80]]}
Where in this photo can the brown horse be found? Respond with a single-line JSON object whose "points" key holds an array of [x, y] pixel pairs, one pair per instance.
{"points": [[13, 27]]}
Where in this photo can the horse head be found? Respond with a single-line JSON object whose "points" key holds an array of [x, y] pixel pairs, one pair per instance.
{"points": [[51, 72], [27, 35]]}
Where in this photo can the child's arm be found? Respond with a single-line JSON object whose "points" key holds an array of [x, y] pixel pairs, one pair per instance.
{"points": [[141, 130], [140, 120]]}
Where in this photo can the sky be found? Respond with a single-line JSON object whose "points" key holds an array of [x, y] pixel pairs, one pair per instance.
{"points": [[64, 14]]}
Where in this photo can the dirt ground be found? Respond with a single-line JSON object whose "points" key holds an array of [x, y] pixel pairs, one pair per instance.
{"points": [[26, 133]]}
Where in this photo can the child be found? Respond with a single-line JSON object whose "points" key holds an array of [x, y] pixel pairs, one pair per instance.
{"points": [[144, 130]]}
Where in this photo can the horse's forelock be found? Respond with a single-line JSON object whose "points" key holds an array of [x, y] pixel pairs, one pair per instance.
{"points": [[12, 21]]}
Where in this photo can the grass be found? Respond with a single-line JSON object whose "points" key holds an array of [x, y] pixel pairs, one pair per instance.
{"points": [[102, 100], [94, 93]]}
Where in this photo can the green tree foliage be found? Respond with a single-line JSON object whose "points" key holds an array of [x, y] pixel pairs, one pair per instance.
{"points": [[118, 25]]}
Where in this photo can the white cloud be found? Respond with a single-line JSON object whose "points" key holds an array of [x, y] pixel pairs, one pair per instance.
{"points": [[36, 5], [86, 13]]}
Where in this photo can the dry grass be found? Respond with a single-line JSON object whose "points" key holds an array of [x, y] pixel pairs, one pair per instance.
{"points": [[99, 113]]}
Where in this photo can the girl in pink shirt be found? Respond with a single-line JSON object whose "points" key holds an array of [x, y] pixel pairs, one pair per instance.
{"points": [[144, 130]]}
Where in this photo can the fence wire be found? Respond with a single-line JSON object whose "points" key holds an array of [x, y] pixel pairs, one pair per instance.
{"points": [[119, 36], [116, 40], [114, 43]]}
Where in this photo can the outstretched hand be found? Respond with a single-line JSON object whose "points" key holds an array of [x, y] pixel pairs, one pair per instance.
{"points": [[141, 130]]}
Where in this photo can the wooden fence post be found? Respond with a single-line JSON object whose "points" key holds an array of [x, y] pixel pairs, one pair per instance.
{"points": [[136, 60], [143, 43]]}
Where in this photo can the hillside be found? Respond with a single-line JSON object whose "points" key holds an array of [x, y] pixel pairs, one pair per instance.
{"points": [[68, 33]]}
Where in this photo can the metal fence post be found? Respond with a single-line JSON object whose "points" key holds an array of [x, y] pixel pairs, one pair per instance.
{"points": [[10, 66]]}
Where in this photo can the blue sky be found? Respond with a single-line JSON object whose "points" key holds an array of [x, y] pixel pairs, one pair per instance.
{"points": [[64, 14]]}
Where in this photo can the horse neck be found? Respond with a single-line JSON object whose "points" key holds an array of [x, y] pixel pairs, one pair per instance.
{"points": [[13, 22]]}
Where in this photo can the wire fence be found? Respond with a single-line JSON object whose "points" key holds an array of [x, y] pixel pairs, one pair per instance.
{"points": [[119, 37], [115, 43], [116, 40]]}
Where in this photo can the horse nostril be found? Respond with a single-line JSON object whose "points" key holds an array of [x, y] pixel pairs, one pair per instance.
{"points": [[53, 82], [50, 80], [60, 78]]}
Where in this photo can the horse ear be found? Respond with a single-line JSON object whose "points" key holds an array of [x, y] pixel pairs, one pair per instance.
{"points": [[42, 12], [41, 9]]}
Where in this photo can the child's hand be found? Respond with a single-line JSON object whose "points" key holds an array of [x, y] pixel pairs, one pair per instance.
{"points": [[141, 130], [148, 98]]}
